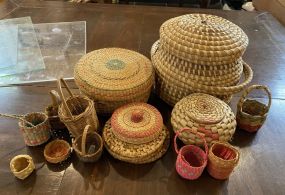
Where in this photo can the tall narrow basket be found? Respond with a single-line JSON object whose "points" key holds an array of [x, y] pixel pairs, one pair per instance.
{"points": [[251, 114], [76, 111]]}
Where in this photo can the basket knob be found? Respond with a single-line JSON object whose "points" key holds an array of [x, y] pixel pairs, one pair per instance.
{"points": [[137, 116]]}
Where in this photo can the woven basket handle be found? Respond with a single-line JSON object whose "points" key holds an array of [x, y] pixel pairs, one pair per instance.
{"points": [[20, 117], [83, 141], [196, 133], [249, 89], [61, 80]]}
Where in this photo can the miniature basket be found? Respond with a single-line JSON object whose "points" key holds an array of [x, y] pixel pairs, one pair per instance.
{"points": [[88, 146], [22, 166], [205, 114], [191, 160], [57, 151], [251, 114], [52, 112], [113, 77], [77, 111], [222, 159]]}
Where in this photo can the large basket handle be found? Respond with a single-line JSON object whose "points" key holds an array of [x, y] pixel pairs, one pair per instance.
{"points": [[196, 133], [249, 89], [20, 117], [83, 141], [61, 80]]}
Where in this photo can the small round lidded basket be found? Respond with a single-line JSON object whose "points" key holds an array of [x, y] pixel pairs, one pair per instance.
{"points": [[205, 114], [22, 166], [251, 114]]}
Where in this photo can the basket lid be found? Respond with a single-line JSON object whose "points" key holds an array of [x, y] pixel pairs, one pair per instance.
{"points": [[113, 69], [202, 108], [136, 123], [203, 38]]}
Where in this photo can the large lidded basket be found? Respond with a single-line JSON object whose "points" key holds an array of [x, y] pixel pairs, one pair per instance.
{"points": [[205, 114], [200, 53], [136, 134], [113, 77]]}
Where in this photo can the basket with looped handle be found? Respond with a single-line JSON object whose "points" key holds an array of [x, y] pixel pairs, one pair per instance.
{"points": [[251, 114], [57, 151], [76, 111], [223, 158], [22, 166], [88, 146], [191, 160]]}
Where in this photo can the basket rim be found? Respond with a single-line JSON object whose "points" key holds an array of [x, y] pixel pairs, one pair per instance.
{"points": [[226, 145], [14, 159], [22, 123], [61, 141]]}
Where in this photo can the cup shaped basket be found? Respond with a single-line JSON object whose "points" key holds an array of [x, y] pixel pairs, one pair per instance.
{"points": [[57, 151], [222, 160], [90, 141], [191, 159], [251, 114], [22, 166]]}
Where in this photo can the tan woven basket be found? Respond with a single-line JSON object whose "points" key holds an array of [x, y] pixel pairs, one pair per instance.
{"points": [[88, 146], [222, 159], [22, 166], [77, 111], [251, 114], [57, 151], [205, 114], [203, 39], [113, 77]]}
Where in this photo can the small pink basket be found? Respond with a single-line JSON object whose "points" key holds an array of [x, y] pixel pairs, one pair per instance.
{"points": [[191, 159]]}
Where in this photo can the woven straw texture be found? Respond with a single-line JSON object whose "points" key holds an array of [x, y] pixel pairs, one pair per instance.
{"points": [[88, 146], [22, 166], [205, 114], [114, 75], [203, 39], [38, 134], [135, 153], [76, 111], [136, 123], [57, 151], [222, 159], [251, 114]]}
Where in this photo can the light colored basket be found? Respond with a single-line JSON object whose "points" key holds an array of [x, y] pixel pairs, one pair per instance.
{"points": [[57, 151], [222, 159], [113, 77], [90, 141], [205, 114], [77, 111], [251, 114], [203, 39], [22, 166]]}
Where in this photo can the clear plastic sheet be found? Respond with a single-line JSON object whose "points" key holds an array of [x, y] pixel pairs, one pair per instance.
{"points": [[61, 45]]}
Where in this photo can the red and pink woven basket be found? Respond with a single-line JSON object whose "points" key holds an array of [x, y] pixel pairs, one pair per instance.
{"points": [[191, 159]]}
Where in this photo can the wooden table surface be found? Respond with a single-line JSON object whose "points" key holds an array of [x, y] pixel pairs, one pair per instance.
{"points": [[261, 169]]}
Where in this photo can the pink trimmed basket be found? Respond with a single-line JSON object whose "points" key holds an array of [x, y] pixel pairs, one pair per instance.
{"points": [[191, 160]]}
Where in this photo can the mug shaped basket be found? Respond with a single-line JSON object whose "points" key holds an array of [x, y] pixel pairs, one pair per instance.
{"points": [[22, 166], [191, 159], [76, 111], [91, 141], [222, 159], [251, 114]]}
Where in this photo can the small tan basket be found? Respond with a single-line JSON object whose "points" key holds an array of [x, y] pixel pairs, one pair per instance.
{"points": [[77, 111], [90, 141], [57, 151], [22, 166]]}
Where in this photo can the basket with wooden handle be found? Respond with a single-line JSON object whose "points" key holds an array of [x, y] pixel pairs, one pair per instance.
{"points": [[251, 114]]}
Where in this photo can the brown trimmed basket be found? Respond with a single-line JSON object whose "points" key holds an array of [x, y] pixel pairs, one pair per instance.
{"points": [[22, 166], [88, 146], [251, 114], [222, 159], [76, 111], [57, 151]]}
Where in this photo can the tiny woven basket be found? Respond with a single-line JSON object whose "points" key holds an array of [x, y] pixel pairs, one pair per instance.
{"points": [[57, 151], [22, 166], [222, 159], [77, 111], [191, 160], [251, 114], [88, 146]]}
